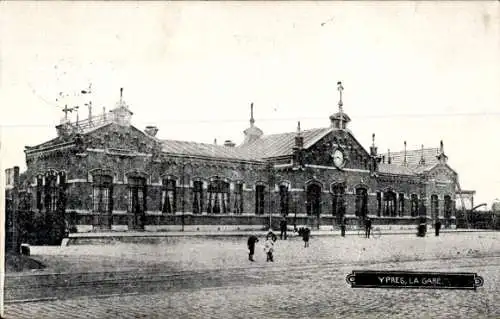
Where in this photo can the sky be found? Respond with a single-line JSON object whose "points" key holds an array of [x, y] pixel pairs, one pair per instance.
{"points": [[419, 72]]}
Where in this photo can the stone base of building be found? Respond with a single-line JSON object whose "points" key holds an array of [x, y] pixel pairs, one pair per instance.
{"points": [[215, 223]]}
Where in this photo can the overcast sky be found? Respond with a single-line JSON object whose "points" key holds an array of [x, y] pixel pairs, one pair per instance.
{"points": [[414, 71]]}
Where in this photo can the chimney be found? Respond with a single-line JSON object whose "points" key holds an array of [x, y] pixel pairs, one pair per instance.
{"points": [[151, 130], [373, 148], [64, 129], [229, 143]]}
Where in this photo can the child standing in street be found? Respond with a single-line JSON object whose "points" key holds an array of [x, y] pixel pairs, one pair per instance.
{"points": [[269, 248]]}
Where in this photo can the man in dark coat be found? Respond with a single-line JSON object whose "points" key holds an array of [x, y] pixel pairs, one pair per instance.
{"points": [[438, 227], [251, 246], [283, 226], [368, 227], [342, 227], [305, 236]]}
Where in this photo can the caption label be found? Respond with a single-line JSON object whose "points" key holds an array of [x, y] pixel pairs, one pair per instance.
{"points": [[413, 279]]}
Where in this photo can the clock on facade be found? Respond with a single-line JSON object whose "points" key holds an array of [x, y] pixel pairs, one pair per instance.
{"points": [[338, 158]]}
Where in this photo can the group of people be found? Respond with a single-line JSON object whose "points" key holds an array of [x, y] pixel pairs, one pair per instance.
{"points": [[268, 246], [271, 238], [305, 233]]}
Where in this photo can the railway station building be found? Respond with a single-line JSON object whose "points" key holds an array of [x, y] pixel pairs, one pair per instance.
{"points": [[105, 174]]}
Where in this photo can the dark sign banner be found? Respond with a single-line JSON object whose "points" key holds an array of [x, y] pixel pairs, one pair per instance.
{"points": [[414, 279]]}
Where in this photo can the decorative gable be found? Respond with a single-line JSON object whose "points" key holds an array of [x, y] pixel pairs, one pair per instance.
{"points": [[321, 153], [119, 139]]}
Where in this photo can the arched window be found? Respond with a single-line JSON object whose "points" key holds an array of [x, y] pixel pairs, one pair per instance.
{"points": [[284, 199], [448, 206], [218, 197], [238, 198], [259, 199], [338, 201], [313, 200], [197, 197], [137, 190], [101, 191], [361, 202], [389, 203], [414, 205], [169, 195], [434, 206], [50, 191]]}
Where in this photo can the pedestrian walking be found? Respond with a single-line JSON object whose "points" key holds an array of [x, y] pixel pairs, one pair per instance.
{"points": [[368, 227], [269, 249], [283, 226], [251, 246], [342, 227], [305, 236], [438, 227]]}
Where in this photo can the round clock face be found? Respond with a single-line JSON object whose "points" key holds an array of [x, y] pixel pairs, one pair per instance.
{"points": [[338, 158]]}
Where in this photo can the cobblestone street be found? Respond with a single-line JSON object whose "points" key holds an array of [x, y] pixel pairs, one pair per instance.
{"points": [[313, 293], [302, 283]]}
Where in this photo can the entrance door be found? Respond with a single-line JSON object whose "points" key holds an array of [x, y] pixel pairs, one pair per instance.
{"points": [[137, 202]]}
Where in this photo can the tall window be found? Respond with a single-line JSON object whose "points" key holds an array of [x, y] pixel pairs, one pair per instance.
{"points": [[101, 191], [434, 206], [313, 200], [51, 192], [361, 202], [238, 198], [414, 205], [338, 205], [448, 206], [390, 203], [284, 200], [169, 196], [379, 203], [197, 197], [137, 194], [401, 205], [39, 193], [259, 199], [218, 197]]}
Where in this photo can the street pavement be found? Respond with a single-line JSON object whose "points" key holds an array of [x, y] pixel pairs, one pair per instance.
{"points": [[319, 292], [212, 278]]}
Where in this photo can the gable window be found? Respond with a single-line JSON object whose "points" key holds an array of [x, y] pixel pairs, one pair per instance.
{"points": [[414, 205], [218, 197], [389, 203], [401, 205], [238, 198], [169, 196], [338, 205], [259, 199], [361, 202], [197, 197], [101, 191], [284, 199]]}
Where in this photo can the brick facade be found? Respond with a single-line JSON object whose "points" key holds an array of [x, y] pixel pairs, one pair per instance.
{"points": [[125, 155]]}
